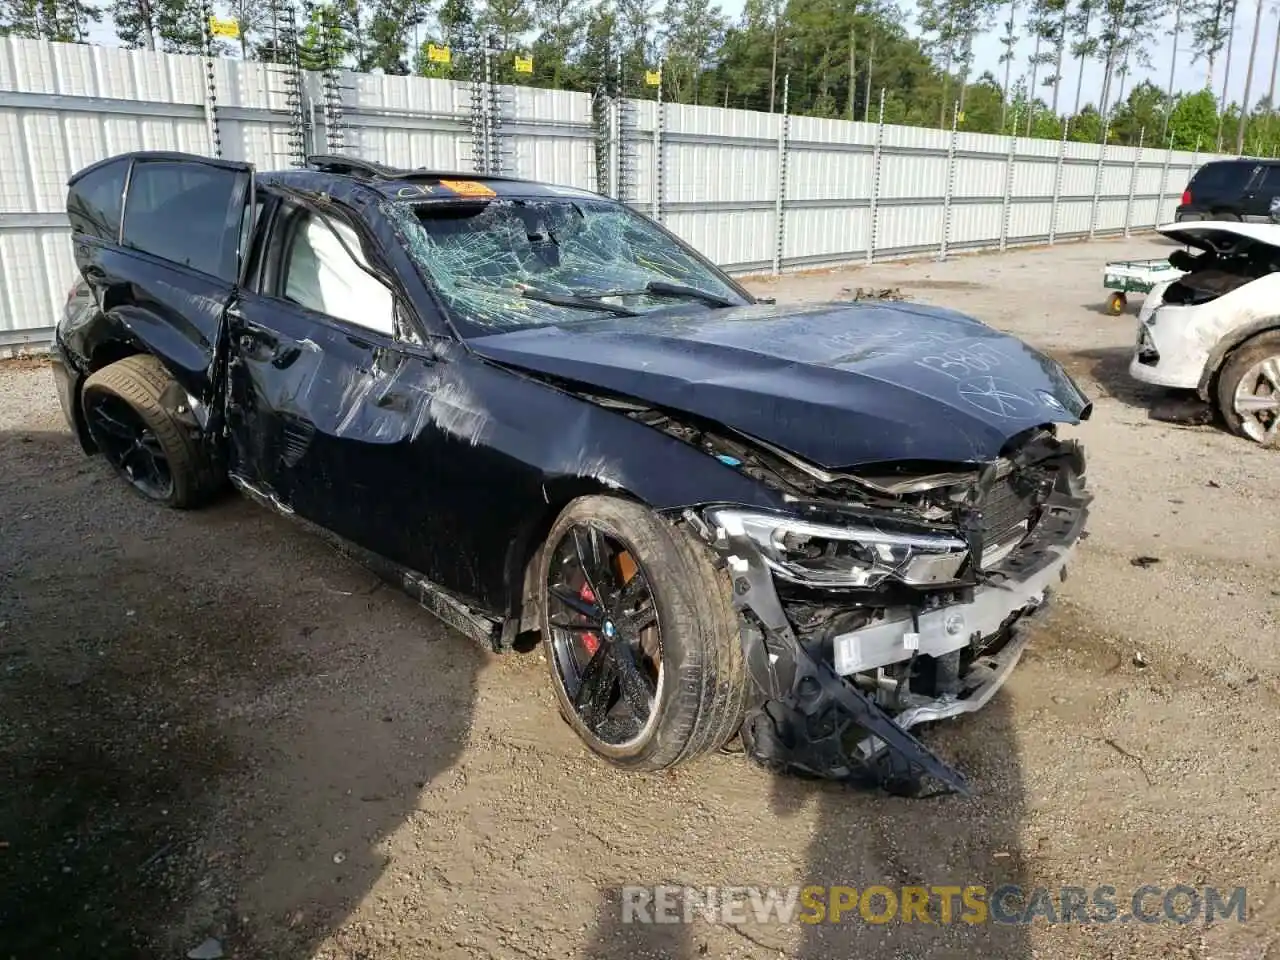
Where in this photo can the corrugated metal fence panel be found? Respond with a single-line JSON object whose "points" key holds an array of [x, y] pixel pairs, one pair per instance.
{"points": [[734, 160], [559, 148], [720, 181], [828, 190], [63, 106], [406, 121], [70, 105]]}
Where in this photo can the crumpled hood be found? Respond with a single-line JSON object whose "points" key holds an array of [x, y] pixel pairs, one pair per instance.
{"points": [[841, 384]]}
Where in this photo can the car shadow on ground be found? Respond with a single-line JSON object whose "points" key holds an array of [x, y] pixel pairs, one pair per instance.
{"points": [[861, 838], [209, 712], [1105, 371]]}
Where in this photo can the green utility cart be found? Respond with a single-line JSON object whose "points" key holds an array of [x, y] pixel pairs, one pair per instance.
{"points": [[1134, 276]]}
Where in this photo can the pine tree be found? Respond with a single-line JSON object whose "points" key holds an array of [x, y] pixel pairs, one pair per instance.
{"points": [[1208, 22], [695, 28], [389, 28], [1009, 41], [561, 28], [251, 15], [135, 23], [323, 45], [1047, 24], [63, 21], [180, 25]]}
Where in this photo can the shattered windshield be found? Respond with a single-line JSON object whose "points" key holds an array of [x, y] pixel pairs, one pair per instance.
{"points": [[502, 264]]}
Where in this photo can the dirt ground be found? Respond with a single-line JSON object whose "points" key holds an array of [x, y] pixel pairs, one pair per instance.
{"points": [[213, 726]]}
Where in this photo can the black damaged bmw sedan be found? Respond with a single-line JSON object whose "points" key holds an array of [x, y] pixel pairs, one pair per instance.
{"points": [[550, 420]]}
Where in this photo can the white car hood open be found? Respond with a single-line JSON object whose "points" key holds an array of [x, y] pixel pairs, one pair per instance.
{"points": [[1220, 235]]}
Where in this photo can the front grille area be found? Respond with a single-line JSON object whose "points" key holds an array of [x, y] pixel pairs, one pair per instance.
{"points": [[1008, 512]]}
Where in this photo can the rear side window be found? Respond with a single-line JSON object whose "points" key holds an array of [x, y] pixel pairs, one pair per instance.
{"points": [[1222, 177], [186, 213], [93, 201], [1270, 182]]}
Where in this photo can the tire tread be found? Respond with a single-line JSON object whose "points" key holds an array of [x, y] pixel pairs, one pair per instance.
{"points": [[710, 687], [141, 380]]}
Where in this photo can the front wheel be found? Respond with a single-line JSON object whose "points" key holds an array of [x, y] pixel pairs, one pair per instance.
{"points": [[1249, 390], [640, 636]]}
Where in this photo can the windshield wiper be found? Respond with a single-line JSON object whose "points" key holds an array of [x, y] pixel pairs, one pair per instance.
{"points": [[576, 302], [664, 288]]}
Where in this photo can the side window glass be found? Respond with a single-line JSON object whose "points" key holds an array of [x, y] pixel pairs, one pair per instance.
{"points": [[93, 201], [1270, 184], [187, 213], [321, 274]]}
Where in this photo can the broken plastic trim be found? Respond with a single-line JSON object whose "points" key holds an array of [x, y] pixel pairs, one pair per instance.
{"points": [[484, 629], [809, 716], [803, 693], [884, 485]]}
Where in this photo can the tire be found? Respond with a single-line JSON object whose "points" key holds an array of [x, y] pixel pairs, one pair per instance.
{"points": [[1244, 363], [1116, 304], [1226, 217], [703, 683], [130, 391]]}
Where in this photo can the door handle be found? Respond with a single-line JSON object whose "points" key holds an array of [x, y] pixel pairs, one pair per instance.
{"points": [[281, 357], [253, 338]]}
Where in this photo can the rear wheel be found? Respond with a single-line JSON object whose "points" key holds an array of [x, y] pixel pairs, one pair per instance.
{"points": [[640, 636], [1116, 304], [1249, 390], [153, 452]]}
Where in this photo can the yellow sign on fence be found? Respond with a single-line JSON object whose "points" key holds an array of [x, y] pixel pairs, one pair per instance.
{"points": [[438, 54], [225, 28], [653, 77], [524, 64]]}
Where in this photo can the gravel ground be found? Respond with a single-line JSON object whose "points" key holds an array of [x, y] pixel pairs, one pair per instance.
{"points": [[213, 726]]}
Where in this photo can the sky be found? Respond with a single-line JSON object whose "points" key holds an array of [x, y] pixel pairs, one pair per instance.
{"points": [[1187, 76]]}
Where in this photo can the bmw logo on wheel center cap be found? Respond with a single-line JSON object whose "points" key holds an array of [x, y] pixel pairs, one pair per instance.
{"points": [[609, 630]]}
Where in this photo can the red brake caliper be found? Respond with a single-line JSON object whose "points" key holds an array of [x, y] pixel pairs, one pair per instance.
{"points": [[589, 640]]}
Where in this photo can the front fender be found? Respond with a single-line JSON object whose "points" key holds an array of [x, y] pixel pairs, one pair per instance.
{"points": [[537, 447]]}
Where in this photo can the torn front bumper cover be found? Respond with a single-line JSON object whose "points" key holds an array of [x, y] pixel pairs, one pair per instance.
{"points": [[814, 721]]}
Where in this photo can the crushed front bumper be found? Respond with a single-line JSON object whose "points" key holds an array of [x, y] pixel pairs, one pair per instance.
{"points": [[812, 717]]}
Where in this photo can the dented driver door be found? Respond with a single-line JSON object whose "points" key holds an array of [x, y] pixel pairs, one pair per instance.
{"points": [[325, 397]]}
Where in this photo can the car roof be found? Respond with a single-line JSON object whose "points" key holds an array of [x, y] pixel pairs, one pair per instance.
{"points": [[416, 184], [1241, 162], [421, 184]]}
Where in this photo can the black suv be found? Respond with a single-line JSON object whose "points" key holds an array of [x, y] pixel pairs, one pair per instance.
{"points": [[1241, 189]]}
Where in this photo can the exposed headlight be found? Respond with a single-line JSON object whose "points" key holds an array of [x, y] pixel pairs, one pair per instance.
{"points": [[856, 556]]}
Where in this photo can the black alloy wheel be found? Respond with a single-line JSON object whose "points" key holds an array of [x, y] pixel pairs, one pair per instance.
{"points": [[129, 445], [606, 641], [132, 414]]}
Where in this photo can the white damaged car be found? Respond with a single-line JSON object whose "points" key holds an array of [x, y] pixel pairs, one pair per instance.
{"points": [[1216, 329]]}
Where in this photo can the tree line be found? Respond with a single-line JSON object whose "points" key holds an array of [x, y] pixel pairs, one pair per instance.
{"points": [[826, 58]]}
